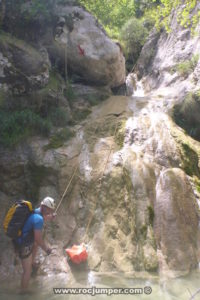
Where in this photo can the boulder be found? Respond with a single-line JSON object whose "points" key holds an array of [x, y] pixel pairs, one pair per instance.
{"points": [[73, 38], [89, 52], [176, 221], [22, 67]]}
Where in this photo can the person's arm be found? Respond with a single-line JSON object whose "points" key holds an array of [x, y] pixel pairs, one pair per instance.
{"points": [[39, 240]]}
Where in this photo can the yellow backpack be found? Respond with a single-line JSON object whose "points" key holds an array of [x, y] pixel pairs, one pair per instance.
{"points": [[16, 217]]}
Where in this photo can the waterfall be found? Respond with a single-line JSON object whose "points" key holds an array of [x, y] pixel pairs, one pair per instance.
{"points": [[134, 87], [139, 92]]}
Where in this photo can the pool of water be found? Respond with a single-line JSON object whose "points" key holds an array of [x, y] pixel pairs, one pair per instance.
{"points": [[42, 287]]}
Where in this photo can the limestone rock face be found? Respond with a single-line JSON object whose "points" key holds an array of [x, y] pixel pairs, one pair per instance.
{"points": [[176, 220], [129, 200], [129, 188], [23, 68], [89, 52], [161, 55]]}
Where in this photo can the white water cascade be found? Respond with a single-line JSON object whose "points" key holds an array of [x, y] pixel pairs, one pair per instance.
{"points": [[134, 87]]}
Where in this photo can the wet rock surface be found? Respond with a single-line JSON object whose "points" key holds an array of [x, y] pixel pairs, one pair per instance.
{"points": [[176, 224], [131, 201], [140, 206]]}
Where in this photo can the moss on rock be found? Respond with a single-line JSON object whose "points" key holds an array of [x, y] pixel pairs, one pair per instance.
{"points": [[58, 139], [3, 97], [187, 114], [190, 160], [120, 133], [189, 153]]}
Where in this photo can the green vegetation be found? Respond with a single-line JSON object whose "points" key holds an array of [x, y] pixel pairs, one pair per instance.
{"points": [[127, 21], [190, 160], [55, 83], [31, 10], [151, 214], [130, 21], [163, 14], [111, 13], [142, 7], [120, 133], [93, 100], [38, 7], [133, 34], [59, 138], [143, 231], [197, 183], [3, 96], [186, 115], [79, 115], [15, 126], [186, 67], [23, 117], [96, 99], [59, 117], [69, 93], [190, 154]]}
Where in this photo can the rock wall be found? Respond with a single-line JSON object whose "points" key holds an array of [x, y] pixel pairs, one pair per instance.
{"points": [[130, 202], [161, 55], [38, 54], [131, 186], [166, 69], [67, 38]]}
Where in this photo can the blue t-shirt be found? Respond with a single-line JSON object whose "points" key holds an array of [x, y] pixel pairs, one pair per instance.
{"points": [[34, 221]]}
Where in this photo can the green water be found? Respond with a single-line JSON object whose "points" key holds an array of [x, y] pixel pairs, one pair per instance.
{"points": [[42, 287]]}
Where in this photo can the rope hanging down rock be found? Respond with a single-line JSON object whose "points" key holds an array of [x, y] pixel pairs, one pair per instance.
{"points": [[100, 180], [67, 187]]}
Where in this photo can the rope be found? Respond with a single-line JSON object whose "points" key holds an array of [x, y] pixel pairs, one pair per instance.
{"points": [[66, 72], [68, 185], [100, 180]]}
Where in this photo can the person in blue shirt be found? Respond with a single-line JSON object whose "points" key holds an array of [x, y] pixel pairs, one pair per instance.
{"points": [[27, 244]]}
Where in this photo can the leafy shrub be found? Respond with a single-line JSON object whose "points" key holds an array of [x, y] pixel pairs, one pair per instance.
{"points": [[111, 13], [133, 35], [28, 11], [59, 139], [148, 21], [69, 93], [15, 126], [187, 67], [187, 114], [59, 117], [184, 7], [143, 6], [81, 114]]}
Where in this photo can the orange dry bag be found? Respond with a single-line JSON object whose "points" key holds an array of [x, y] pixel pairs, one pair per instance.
{"points": [[77, 254]]}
